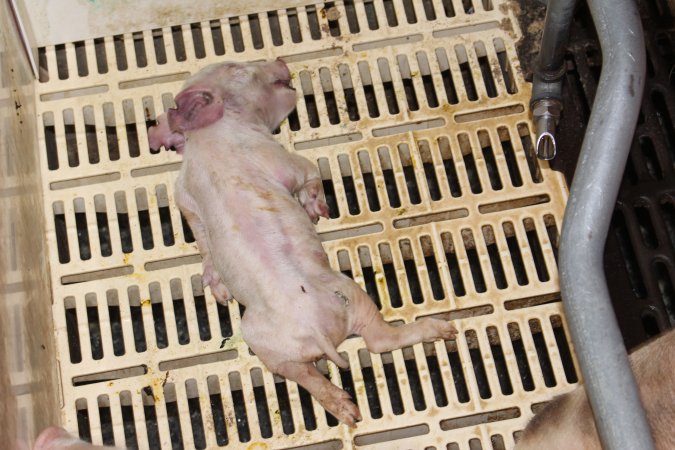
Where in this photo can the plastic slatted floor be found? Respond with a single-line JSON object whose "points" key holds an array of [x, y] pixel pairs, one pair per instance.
{"points": [[416, 113]]}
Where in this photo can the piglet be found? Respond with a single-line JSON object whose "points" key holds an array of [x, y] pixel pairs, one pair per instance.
{"points": [[252, 207], [567, 421]]}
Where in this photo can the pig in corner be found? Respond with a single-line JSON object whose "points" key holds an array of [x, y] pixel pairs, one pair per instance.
{"points": [[567, 421], [252, 207]]}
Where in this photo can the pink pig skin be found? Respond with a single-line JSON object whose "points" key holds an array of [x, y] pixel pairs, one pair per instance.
{"points": [[161, 135], [567, 421], [252, 206], [55, 438]]}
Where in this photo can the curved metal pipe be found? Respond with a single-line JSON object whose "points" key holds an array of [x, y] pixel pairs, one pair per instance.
{"points": [[610, 384]]}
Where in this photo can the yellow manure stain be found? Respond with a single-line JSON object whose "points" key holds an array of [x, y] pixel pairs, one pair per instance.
{"points": [[270, 209], [258, 446]]}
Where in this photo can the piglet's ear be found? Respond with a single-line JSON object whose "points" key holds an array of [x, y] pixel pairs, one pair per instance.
{"points": [[196, 107]]}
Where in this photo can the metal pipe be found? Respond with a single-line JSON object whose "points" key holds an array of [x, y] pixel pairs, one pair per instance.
{"points": [[559, 15], [546, 102], [610, 384]]}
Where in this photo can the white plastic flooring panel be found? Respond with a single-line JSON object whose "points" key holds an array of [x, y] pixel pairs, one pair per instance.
{"points": [[416, 113]]}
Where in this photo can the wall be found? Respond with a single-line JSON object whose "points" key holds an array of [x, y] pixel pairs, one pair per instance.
{"points": [[28, 388], [88, 19]]}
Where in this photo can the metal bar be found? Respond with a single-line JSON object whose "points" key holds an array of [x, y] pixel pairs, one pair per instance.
{"points": [[559, 14], [610, 384], [546, 102]]}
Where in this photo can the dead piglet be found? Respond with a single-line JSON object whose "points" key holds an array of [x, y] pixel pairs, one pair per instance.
{"points": [[252, 206], [567, 421]]}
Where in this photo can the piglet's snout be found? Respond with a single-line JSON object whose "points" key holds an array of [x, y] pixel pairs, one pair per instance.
{"points": [[280, 67], [280, 72]]}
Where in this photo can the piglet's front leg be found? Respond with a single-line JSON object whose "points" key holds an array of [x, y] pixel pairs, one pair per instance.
{"points": [[210, 277], [309, 189], [313, 199]]}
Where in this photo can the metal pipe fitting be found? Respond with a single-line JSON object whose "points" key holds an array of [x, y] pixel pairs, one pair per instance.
{"points": [[546, 102], [546, 113], [610, 384]]}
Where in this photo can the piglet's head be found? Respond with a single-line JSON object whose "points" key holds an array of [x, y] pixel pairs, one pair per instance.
{"points": [[255, 93]]}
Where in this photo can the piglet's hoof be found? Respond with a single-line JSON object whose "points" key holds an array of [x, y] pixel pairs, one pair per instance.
{"points": [[339, 403], [435, 329], [316, 208], [220, 292], [313, 200], [211, 279]]}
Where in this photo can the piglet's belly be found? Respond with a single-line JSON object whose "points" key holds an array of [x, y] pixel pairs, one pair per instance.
{"points": [[257, 254]]}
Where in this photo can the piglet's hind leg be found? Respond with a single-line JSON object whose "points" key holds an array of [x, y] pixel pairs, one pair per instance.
{"points": [[382, 337], [334, 400]]}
